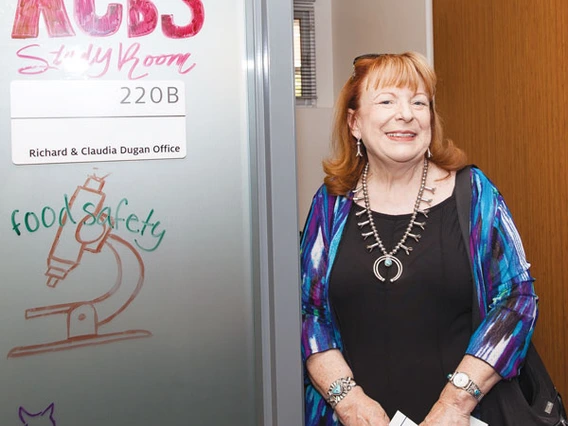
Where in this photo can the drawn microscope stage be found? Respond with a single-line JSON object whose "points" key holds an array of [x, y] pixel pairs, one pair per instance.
{"points": [[75, 237]]}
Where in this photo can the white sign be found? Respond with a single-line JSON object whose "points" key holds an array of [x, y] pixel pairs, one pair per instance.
{"points": [[84, 120]]}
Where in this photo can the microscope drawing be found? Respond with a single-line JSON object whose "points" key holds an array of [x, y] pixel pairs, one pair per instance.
{"points": [[79, 233]]}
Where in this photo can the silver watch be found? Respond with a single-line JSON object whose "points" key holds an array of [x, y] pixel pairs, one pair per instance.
{"points": [[339, 390], [462, 381]]}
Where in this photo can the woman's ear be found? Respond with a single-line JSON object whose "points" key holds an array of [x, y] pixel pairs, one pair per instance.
{"points": [[353, 123]]}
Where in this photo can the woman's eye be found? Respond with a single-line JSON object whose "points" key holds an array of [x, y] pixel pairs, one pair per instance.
{"points": [[421, 103], [386, 102]]}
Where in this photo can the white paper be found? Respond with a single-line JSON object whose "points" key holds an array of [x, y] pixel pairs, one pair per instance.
{"points": [[476, 422], [400, 419]]}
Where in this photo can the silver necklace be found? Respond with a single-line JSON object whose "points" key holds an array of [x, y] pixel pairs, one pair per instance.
{"points": [[389, 258]]}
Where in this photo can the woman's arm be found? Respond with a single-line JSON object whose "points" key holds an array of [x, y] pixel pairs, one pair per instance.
{"points": [[507, 301], [356, 409], [321, 342], [506, 298]]}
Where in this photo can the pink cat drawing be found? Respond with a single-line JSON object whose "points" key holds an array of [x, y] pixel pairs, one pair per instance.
{"points": [[43, 418]]}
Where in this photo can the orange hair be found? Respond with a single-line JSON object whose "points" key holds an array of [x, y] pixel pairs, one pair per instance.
{"points": [[409, 69]]}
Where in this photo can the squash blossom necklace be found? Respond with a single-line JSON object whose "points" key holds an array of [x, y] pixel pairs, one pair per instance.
{"points": [[388, 258]]}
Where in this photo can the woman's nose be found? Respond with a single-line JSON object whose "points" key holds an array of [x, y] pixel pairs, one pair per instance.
{"points": [[405, 111]]}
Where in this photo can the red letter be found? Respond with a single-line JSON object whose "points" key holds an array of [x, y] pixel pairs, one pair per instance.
{"points": [[94, 25], [54, 13], [142, 18], [171, 30]]}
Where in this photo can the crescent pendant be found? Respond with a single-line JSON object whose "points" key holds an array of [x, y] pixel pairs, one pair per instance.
{"points": [[388, 261]]}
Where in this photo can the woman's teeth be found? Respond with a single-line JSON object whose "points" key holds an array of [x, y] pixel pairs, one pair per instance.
{"points": [[401, 135]]}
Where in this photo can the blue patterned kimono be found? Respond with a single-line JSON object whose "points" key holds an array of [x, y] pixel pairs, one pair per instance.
{"points": [[506, 299]]}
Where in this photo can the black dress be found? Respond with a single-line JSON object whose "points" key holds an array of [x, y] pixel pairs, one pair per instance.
{"points": [[401, 339]]}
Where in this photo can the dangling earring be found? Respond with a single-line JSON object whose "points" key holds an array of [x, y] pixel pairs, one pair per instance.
{"points": [[359, 153], [428, 153]]}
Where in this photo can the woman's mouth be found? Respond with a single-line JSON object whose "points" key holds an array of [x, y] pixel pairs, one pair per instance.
{"points": [[401, 135]]}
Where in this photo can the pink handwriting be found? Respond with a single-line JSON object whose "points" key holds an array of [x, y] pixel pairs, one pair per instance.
{"points": [[97, 61], [142, 17]]}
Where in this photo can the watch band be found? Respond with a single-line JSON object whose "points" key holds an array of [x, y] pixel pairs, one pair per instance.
{"points": [[339, 390], [462, 381]]}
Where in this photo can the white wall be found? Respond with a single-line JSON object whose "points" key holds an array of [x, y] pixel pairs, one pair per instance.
{"points": [[377, 26], [345, 29]]}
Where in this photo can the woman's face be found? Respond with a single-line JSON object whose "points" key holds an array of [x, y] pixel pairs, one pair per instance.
{"points": [[393, 123]]}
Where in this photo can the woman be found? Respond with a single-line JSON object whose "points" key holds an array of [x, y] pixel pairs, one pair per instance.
{"points": [[388, 287]]}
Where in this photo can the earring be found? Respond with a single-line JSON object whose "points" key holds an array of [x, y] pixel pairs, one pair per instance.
{"points": [[359, 153], [428, 153]]}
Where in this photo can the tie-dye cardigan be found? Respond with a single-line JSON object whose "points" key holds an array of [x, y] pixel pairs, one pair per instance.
{"points": [[506, 299]]}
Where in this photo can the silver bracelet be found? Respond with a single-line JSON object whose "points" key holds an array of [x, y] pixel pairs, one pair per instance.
{"points": [[339, 390]]}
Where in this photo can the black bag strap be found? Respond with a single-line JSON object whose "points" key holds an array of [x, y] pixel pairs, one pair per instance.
{"points": [[463, 203]]}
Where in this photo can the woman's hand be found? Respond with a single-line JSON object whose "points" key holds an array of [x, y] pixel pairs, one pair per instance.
{"points": [[444, 414], [455, 405], [357, 409]]}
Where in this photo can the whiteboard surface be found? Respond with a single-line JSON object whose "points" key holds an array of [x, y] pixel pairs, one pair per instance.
{"points": [[173, 340]]}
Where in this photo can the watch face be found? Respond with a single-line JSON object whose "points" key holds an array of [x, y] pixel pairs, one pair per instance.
{"points": [[460, 380]]}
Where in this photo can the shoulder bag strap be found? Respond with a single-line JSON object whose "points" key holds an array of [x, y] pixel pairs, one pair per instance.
{"points": [[463, 203]]}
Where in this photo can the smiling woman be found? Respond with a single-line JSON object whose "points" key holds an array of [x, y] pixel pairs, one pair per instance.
{"points": [[410, 73], [387, 281], [392, 123]]}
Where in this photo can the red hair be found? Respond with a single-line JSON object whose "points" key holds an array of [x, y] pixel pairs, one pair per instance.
{"points": [[409, 69]]}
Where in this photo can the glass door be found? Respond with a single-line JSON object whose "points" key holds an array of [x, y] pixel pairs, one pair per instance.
{"points": [[142, 277]]}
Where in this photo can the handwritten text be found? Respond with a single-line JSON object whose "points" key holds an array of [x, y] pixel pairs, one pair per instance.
{"points": [[142, 16], [95, 62], [145, 226]]}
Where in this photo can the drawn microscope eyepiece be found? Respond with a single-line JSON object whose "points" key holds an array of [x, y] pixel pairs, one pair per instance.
{"points": [[80, 230]]}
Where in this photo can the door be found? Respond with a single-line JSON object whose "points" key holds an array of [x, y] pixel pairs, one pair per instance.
{"points": [[138, 284], [502, 67]]}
